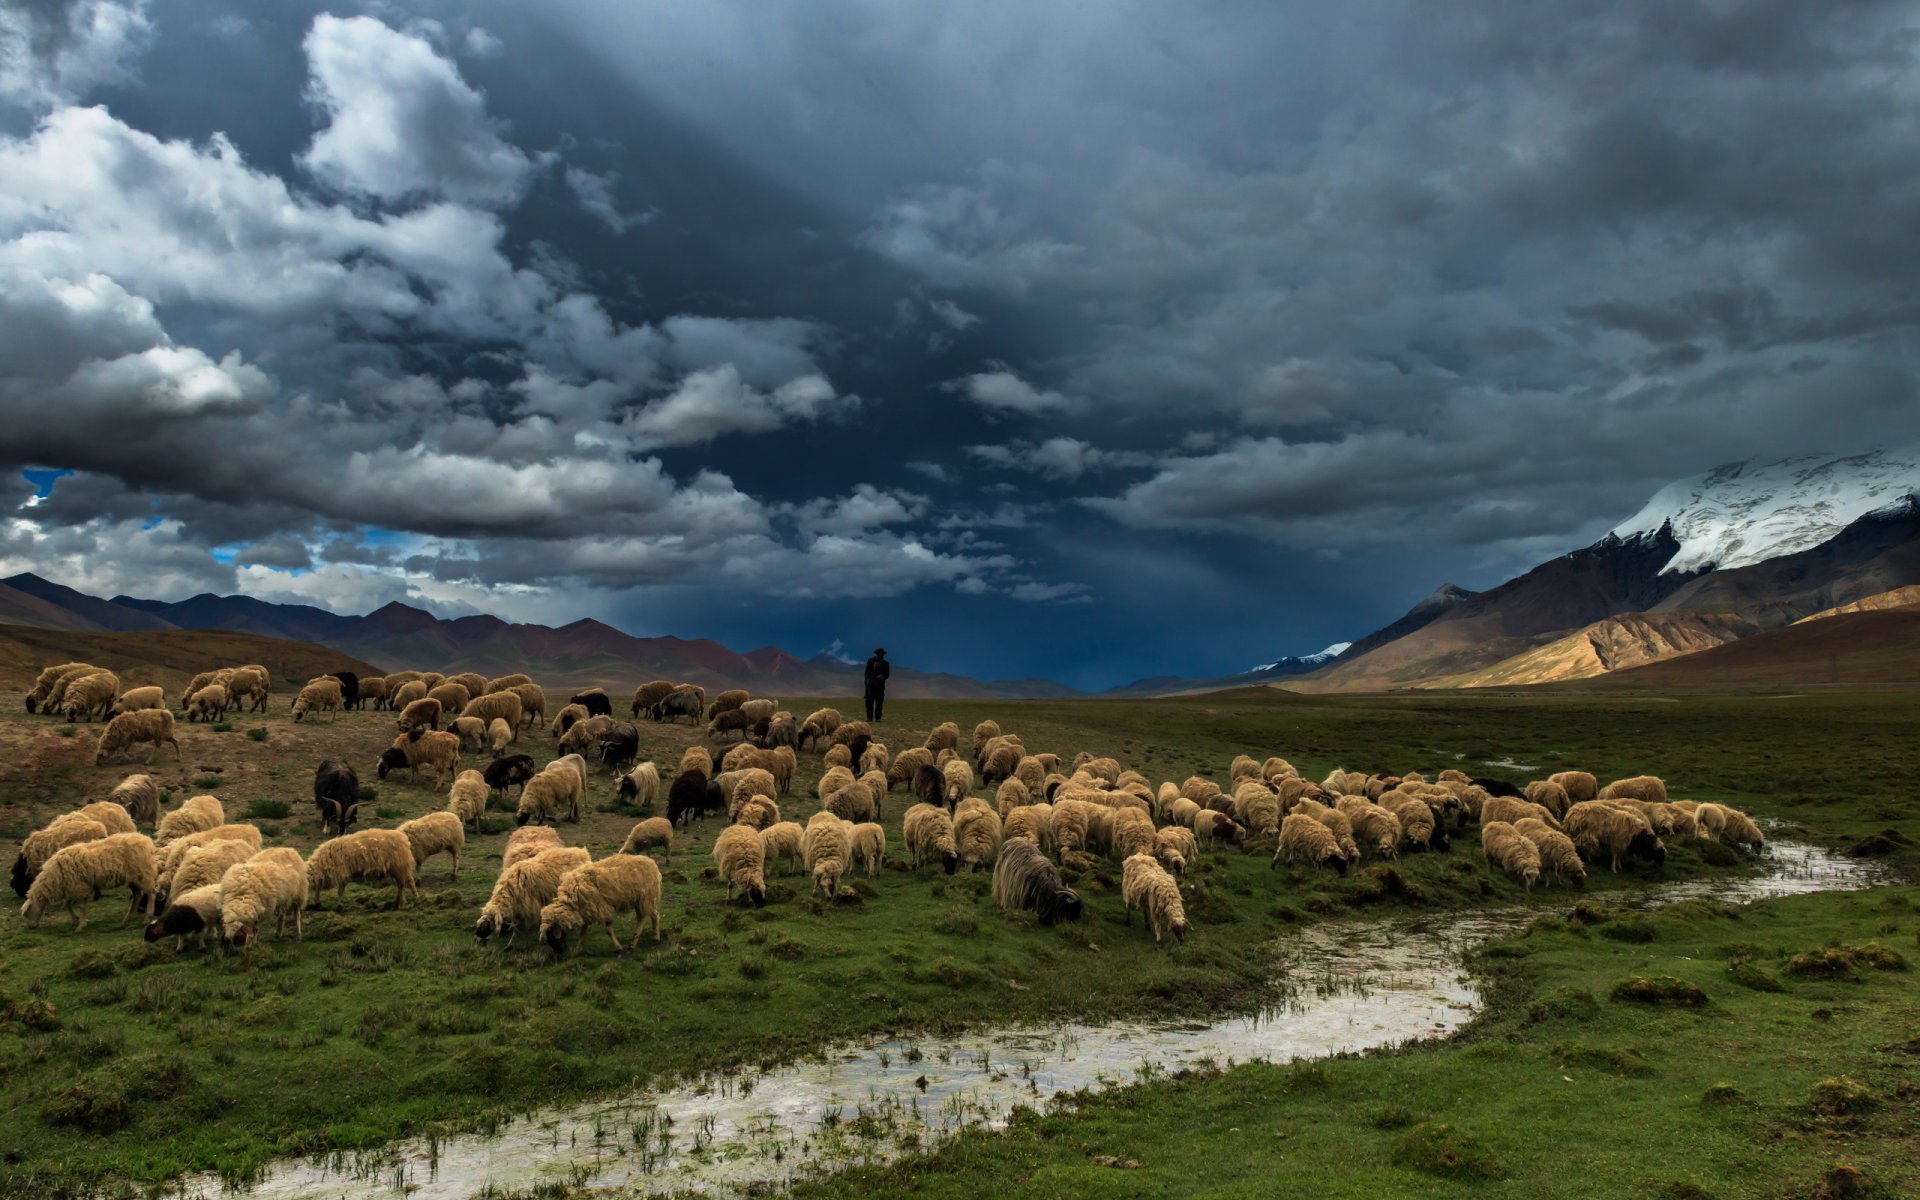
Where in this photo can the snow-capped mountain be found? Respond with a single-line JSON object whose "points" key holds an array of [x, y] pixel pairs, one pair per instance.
{"points": [[1300, 662], [1748, 512]]}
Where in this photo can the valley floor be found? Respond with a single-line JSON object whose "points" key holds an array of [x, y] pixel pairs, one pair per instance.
{"points": [[126, 1065]]}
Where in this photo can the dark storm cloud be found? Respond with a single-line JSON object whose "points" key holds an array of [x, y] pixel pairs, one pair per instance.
{"points": [[1149, 339]]}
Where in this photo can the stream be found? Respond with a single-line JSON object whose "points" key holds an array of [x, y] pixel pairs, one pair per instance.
{"points": [[1345, 986]]}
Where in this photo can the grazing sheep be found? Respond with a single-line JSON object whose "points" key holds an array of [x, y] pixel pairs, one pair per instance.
{"points": [[930, 785], [503, 706], [526, 885], [1071, 823], [436, 833], [204, 865], [321, 695], [115, 818], [688, 702], [137, 699], [1025, 879], [92, 695], [983, 733], [567, 718], [505, 683], [467, 798], [757, 813], [1033, 821], [1710, 820], [369, 856], [1511, 851], [1640, 787], [1183, 811], [1011, 795], [928, 831], [1304, 839], [1507, 810], [1375, 829], [1209, 825], [471, 731], [270, 885], [1598, 828], [597, 893], [1244, 766], [76, 875], [406, 693], [856, 801], [1549, 795], [696, 758], [533, 705], [1418, 822], [759, 710], [1740, 830], [649, 694], [728, 701], [194, 912], [473, 681], [944, 736], [783, 840], [451, 698], [957, 778], [1145, 885], [1175, 848], [153, 726], [639, 787], [838, 756], [1558, 857], [139, 795], [869, 846], [437, 751], [741, 861], [977, 833], [336, 794], [499, 735], [691, 795], [906, 765], [827, 849], [373, 690], [423, 713], [1579, 785], [1256, 808], [43, 684], [65, 830], [1132, 833], [193, 816], [209, 703], [167, 859], [526, 842], [509, 770], [548, 795]]}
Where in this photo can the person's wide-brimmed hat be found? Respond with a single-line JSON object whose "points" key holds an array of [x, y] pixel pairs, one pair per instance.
{"points": [[879, 649]]}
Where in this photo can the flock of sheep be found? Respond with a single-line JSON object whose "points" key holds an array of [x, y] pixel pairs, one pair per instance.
{"points": [[197, 873]]}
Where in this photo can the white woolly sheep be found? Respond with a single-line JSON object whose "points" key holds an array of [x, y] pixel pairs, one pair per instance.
{"points": [[526, 842], [139, 795], [1175, 848], [500, 735], [1639, 787], [928, 833], [1511, 851], [1548, 795], [504, 706], [959, 778], [828, 848], [597, 893], [436, 833], [273, 884], [43, 683], [140, 698], [152, 726], [209, 704], [1579, 785], [653, 831], [196, 912], [1145, 885], [79, 873], [741, 861], [1033, 821], [1304, 839], [1132, 833], [524, 887], [205, 864], [1508, 809], [1558, 857], [193, 816], [67, 829], [366, 856], [869, 845], [783, 840], [90, 696], [976, 834], [1599, 828], [1209, 825], [167, 859], [467, 798], [321, 695]]}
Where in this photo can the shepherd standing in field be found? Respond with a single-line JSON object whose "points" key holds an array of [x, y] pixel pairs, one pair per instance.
{"points": [[877, 671]]}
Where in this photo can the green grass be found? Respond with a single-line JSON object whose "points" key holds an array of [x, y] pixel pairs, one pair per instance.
{"points": [[1556, 1091], [381, 1024]]}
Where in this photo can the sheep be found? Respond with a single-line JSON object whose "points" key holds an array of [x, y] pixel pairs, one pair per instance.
{"points": [[209, 703], [1640, 787], [549, 794], [1740, 830], [320, 695], [65, 830], [139, 795], [473, 681], [406, 693], [757, 812], [776, 762], [533, 705], [1209, 825], [1024, 879], [1672, 818], [167, 859], [199, 865], [1034, 821], [467, 798], [599, 892], [43, 683], [436, 833], [1710, 820], [983, 733], [1183, 811], [1070, 823], [154, 726], [451, 697], [1418, 823], [868, 842], [199, 813], [838, 756], [369, 856], [1132, 833], [509, 770], [958, 778], [1175, 848], [782, 733], [1145, 885], [856, 801], [730, 723], [194, 912], [1376, 830], [827, 849], [438, 751], [1513, 852], [759, 710], [1599, 828], [75, 875], [1548, 795], [1277, 768], [504, 683], [1558, 856], [471, 731], [1257, 808], [1244, 766], [423, 713], [1579, 785], [977, 833], [905, 766], [944, 736], [1012, 794], [1507, 810], [783, 839], [567, 718], [503, 706], [91, 695], [928, 832], [136, 699], [692, 795], [649, 694], [373, 689], [1304, 839], [752, 781], [56, 701], [686, 701], [527, 842], [525, 886], [639, 787], [851, 733], [741, 861], [336, 794]]}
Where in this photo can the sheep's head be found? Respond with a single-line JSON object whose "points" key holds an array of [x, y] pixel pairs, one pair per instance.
{"points": [[32, 704], [1178, 927], [1648, 846], [239, 936], [1579, 875], [950, 860], [487, 926], [21, 880], [156, 930], [757, 893], [1438, 839], [299, 710], [392, 759], [1338, 862]]}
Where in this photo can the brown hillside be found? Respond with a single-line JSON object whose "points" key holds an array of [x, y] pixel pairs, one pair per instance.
{"points": [[1850, 650], [168, 657], [1615, 644]]}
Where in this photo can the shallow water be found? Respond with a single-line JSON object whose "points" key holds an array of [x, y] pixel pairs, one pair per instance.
{"points": [[1349, 986]]}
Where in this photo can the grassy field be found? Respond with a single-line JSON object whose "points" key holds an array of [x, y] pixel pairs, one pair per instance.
{"points": [[126, 1065]]}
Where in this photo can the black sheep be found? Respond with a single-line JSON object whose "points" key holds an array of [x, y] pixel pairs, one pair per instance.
{"points": [[336, 793], [595, 701], [688, 797], [930, 786], [1498, 787], [857, 749], [349, 688], [22, 879], [509, 770]]}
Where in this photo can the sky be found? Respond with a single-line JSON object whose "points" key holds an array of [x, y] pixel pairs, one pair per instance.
{"points": [[1028, 339]]}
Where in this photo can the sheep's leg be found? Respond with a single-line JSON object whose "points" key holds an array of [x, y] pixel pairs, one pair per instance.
{"points": [[617, 947], [79, 917]]}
